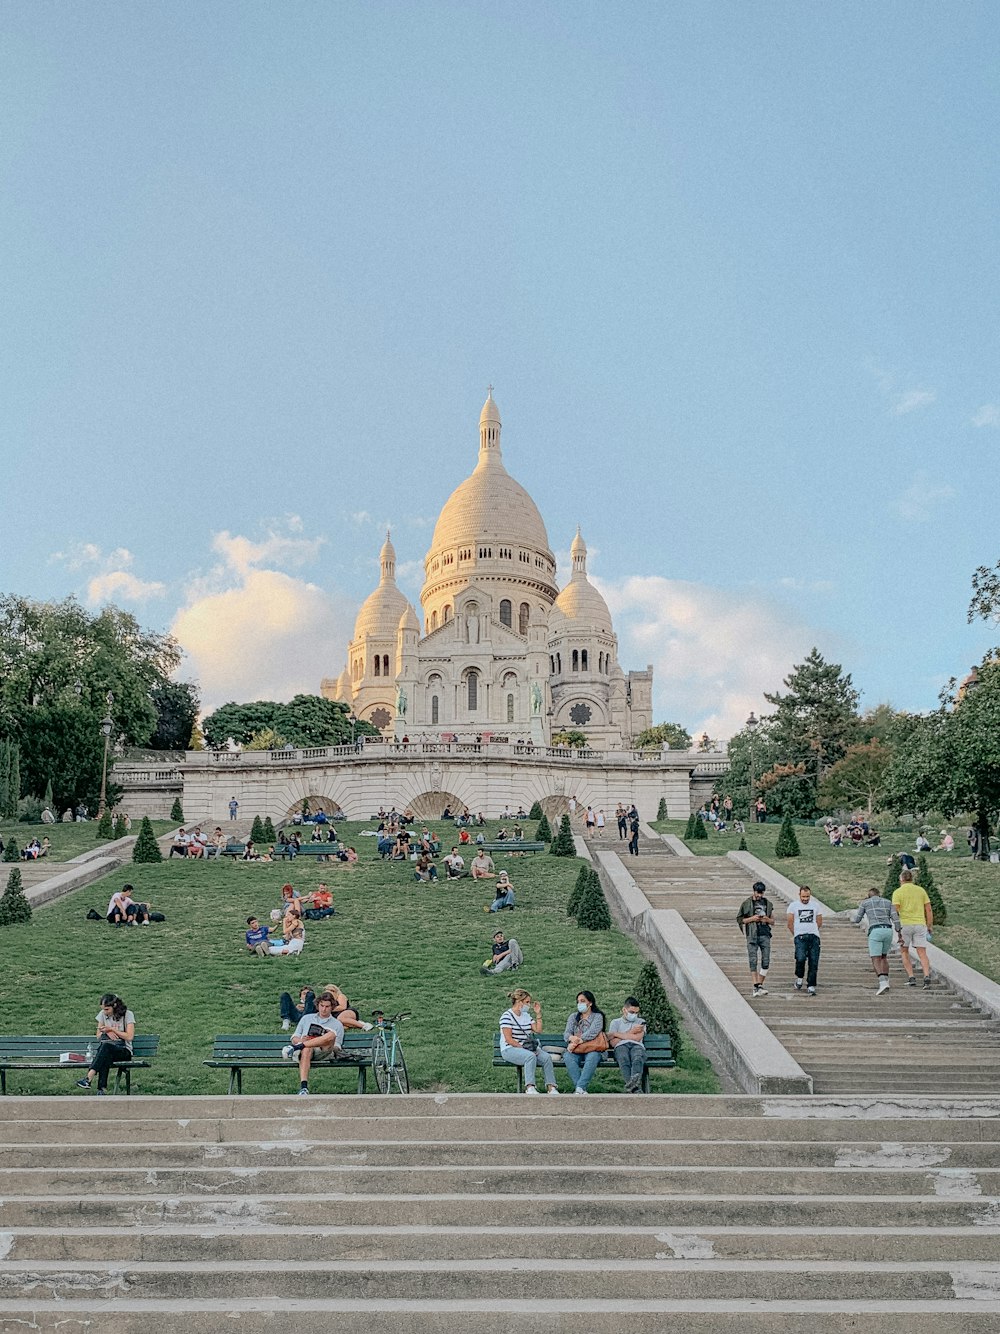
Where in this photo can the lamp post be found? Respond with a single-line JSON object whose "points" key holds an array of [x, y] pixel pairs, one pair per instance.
{"points": [[354, 723], [751, 725], [106, 726]]}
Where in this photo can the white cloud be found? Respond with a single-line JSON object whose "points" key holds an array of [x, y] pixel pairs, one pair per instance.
{"points": [[988, 415], [242, 554], [120, 585], [714, 652], [911, 401], [922, 496]]}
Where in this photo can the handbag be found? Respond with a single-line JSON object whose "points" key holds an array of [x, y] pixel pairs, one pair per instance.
{"points": [[600, 1043]]}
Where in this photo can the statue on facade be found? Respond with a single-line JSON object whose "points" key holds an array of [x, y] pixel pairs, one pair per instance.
{"points": [[400, 702], [536, 698]]}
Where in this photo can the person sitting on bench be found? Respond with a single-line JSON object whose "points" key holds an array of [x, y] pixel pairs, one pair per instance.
{"points": [[318, 1037]]}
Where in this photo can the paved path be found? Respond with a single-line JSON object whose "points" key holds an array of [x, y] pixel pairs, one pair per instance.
{"points": [[909, 1041]]}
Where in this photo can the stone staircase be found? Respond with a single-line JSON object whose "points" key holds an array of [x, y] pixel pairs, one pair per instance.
{"points": [[488, 1213], [909, 1041]]}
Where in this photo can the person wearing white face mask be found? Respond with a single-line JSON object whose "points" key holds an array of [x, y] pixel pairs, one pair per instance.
{"points": [[626, 1035]]}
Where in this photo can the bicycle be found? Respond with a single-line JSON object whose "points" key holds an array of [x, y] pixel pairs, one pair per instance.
{"points": [[388, 1063]]}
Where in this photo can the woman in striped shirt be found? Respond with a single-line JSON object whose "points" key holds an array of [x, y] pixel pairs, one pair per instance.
{"points": [[519, 1044]]}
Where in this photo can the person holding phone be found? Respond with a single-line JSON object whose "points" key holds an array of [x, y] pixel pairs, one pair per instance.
{"points": [[115, 1033], [519, 1042]]}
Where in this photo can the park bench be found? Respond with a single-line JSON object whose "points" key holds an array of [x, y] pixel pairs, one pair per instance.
{"points": [[237, 1052], [659, 1055], [234, 850], [509, 845], [42, 1053], [321, 851]]}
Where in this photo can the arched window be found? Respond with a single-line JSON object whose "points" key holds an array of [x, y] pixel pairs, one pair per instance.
{"points": [[523, 612], [434, 620], [378, 665], [447, 614], [552, 663], [558, 664], [472, 685], [583, 660], [510, 708], [435, 710], [576, 660], [506, 617], [385, 664]]}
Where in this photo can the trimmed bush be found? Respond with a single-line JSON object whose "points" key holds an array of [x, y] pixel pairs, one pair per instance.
{"points": [[543, 834], [743, 845], [269, 835], [661, 810], [592, 913], [573, 907], [146, 848], [177, 810], [700, 830], [105, 825], [787, 844], [925, 880], [892, 878], [257, 830], [121, 828], [11, 852], [689, 827], [14, 906], [536, 812], [562, 844], [655, 1007]]}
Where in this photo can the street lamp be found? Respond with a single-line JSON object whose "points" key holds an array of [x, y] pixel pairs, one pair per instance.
{"points": [[106, 726], [751, 725], [354, 722]]}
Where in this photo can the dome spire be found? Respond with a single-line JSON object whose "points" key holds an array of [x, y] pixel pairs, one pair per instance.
{"points": [[578, 551], [387, 560], [489, 428]]}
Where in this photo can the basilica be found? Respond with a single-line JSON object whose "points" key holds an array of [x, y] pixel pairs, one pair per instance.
{"points": [[498, 650]]}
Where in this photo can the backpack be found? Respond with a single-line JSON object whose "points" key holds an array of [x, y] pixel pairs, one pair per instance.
{"points": [[93, 915]]}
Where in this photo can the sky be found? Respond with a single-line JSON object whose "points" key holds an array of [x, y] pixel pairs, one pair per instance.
{"points": [[731, 268]]}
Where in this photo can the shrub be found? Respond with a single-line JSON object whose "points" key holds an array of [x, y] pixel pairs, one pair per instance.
{"points": [[573, 907], [892, 878], [700, 830], [689, 827], [743, 845], [661, 810], [177, 810], [146, 848], [269, 835], [14, 906], [787, 844], [11, 852], [536, 811], [105, 825], [592, 913], [543, 834], [655, 1007], [926, 882], [562, 844], [29, 810], [257, 830], [121, 828]]}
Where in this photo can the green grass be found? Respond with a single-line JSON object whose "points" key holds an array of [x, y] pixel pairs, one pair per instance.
{"points": [[392, 943], [68, 840], [842, 876]]}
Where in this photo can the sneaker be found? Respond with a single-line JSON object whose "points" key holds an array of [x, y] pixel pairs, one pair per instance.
{"points": [[798, 984], [762, 991], [911, 981], [755, 992], [927, 983], [303, 1093], [486, 909], [286, 1053], [530, 1088], [486, 972], [102, 1093], [286, 1024], [580, 1093], [83, 1083], [632, 1086], [811, 991], [552, 1092], [883, 986]]}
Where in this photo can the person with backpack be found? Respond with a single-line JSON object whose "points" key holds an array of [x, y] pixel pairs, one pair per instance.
{"points": [[755, 919], [506, 956]]}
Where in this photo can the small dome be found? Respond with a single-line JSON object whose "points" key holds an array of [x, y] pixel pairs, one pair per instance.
{"points": [[382, 610], [579, 546], [408, 620], [580, 601], [344, 689], [490, 412]]}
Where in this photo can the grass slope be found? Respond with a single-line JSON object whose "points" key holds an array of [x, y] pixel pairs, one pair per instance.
{"points": [[843, 876], [68, 840], [393, 943]]}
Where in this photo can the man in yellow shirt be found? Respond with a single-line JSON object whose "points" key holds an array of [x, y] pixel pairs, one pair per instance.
{"points": [[916, 917]]}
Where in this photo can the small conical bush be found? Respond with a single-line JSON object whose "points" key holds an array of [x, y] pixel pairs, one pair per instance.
{"points": [[14, 906], [787, 844], [592, 913], [146, 848]]}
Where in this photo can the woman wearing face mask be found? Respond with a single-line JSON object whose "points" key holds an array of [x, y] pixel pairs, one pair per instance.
{"points": [[585, 1041], [518, 1043]]}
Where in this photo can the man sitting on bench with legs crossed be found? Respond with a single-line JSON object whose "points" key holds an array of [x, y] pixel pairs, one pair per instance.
{"points": [[317, 1037]]}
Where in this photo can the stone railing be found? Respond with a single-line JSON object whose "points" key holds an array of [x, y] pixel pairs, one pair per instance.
{"points": [[125, 773]]}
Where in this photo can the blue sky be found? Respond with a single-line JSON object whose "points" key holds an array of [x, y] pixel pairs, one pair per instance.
{"points": [[732, 269]]}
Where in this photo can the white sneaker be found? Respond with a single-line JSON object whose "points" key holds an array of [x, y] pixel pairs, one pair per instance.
{"points": [[303, 1093], [811, 991], [286, 1053], [286, 1024], [580, 1093], [530, 1088], [553, 1093], [883, 986], [798, 984], [762, 991]]}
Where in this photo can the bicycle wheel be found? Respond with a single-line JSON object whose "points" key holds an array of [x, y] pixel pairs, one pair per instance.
{"points": [[400, 1079], [380, 1066]]}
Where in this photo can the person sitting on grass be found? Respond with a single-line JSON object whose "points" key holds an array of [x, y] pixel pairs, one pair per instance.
{"points": [[425, 872], [320, 903], [505, 894], [318, 1037], [464, 838], [124, 911], [289, 899], [115, 1034], [626, 1037], [31, 851], [292, 1011], [481, 867], [519, 1042], [293, 934], [257, 938], [454, 865], [250, 853], [344, 1010], [506, 956], [317, 834]]}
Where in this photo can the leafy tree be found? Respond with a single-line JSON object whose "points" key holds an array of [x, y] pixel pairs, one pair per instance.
{"points": [[581, 884], [63, 741], [239, 722], [176, 704], [788, 790], [268, 835], [675, 736], [570, 738], [305, 721], [268, 739], [859, 779], [661, 810], [11, 852], [105, 825], [6, 811], [755, 751], [787, 844], [146, 848], [14, 906], [563, 844], [257, 830], [592, 911], [536, 811], [985, 604], [816, 720], [699, 830], [14, 779], [655, 1007], [689, 827], [925, 880], [543, 834], [196, 741], [177, 810]]}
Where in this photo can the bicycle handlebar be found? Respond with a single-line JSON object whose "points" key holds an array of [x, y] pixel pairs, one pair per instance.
{"points": [[380, 1018]]}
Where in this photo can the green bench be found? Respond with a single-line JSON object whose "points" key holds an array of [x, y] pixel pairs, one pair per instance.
{"points": [[510, 845], [233, 850], [237, 1052], [321, 851], [42, 1053], [659, 1055]]}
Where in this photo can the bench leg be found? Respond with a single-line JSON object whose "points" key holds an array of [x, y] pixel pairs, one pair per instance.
{"points": [[3, 1082], [644, 1086], [232, 1079], [361, 1079]]}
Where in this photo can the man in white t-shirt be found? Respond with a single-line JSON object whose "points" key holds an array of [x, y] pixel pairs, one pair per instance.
{"points": [[454, 864], [317, 1037], [805, 922]]}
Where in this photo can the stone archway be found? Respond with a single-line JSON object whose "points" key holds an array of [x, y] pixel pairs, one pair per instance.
{"points": [[316, 803], [554, 808], [429, 805]]}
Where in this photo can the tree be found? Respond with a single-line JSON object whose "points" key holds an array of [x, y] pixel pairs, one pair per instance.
{"points": [[859, 779], [257, 830], [750, 750], [742, 845], [698, 830], [788, 790], [14, 906], [655, 1007], [146, 848], [925, 880], [570, 738], [268, 739], [176, 704], [985, 602], [787, 844], [816, 720], [63, 741], [48, 800], [120, 828], [269, 836], [563, 844], [581, 884], [661, 810], [592, 912], [6, 811], [543, 834], [105, 825], [536, 811], [11, 853], [891, 878], [689, 827], [671, 734], [305, 721], [177, 811]]}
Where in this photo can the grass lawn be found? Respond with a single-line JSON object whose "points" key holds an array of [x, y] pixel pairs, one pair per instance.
{"points": [[842, 877], [68, 840], [393, 943]]}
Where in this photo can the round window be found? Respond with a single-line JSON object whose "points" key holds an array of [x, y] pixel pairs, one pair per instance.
{"points": [[580, 714]]}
